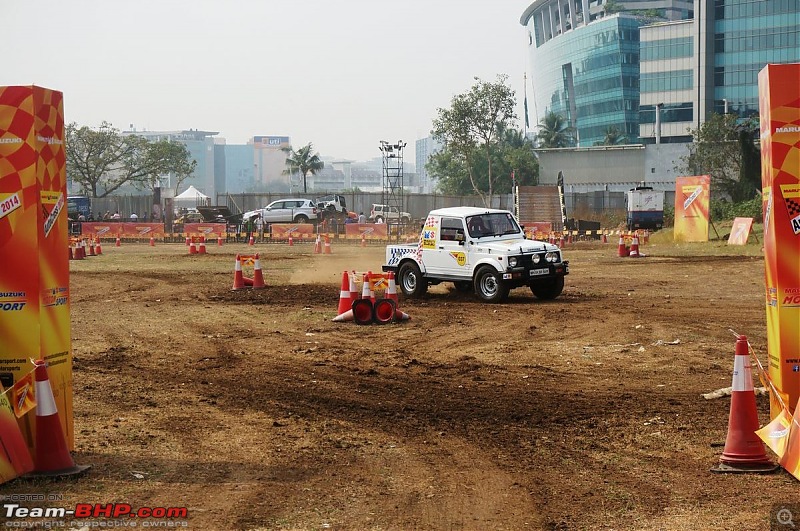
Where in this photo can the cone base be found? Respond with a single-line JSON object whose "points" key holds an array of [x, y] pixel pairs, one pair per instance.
{"points": [[745, 468], [75, 470]]}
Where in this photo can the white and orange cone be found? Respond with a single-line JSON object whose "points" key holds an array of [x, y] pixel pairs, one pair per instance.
{"points": [[634, 252], [118, 242], [52, 457], [391, 293], [201, 246], [192, 247], [238, 277], [97, 248], [327, 245], [152, 241], [258, 275], [622, 249], [291, 240], [744, 451], [345, 300]]}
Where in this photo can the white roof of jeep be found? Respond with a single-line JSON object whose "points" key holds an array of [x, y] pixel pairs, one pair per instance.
{"points": [[462, 212]]}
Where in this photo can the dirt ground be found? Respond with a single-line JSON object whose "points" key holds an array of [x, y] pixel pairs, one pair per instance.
{"points": [[255, 411]]}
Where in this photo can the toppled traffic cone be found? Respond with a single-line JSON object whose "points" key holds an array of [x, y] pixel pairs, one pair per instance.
{"points": [[238, 277], [52, 457], [362, 311], [744, 451], [258, 275], [384, 311], [622, 249]]}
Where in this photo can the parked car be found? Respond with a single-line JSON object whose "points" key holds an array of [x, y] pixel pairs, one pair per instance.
{"points": [[387, 214], [287, 211]]}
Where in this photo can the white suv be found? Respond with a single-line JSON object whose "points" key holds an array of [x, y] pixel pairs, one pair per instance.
{"points": [[287, 211], [384, 213]]}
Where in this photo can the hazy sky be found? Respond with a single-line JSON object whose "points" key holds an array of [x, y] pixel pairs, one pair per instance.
{"points": [[343, 74]]}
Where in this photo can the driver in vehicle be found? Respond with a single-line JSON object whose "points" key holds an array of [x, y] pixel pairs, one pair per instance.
{"points": [[476, 227]]}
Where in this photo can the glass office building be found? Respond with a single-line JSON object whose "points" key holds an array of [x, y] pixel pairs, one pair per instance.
{"points": [[654, 80]]}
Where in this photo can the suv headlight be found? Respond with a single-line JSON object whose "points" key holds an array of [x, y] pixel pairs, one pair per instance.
{"points": [[537, 258], [551, 257], [512, 262]]}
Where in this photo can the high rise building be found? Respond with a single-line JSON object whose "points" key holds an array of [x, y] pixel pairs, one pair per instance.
{"points": [[619, 65]]}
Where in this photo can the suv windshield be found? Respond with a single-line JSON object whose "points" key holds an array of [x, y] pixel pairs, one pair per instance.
{"points": [[496, 224]]}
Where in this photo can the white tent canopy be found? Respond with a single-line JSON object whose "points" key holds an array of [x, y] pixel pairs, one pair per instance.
{"points": [[192, 196]]}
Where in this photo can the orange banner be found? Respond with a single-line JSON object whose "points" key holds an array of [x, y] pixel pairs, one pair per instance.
{"points": [[15, 459], [209, 230], [369, 231], [34, 278], [281, 231], [537, 230], [779, 102], [740, 231], [692, 195], [126, 229]]}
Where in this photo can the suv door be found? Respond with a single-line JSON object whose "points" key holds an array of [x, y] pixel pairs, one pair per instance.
{"points": [[275, 212], [449, 257]]}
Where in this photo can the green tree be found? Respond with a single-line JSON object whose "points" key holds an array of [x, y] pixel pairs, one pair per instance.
{"points": [[102, 160], [726, 150], [554, 132], [469, 128], [613, 137], [302, 161]]}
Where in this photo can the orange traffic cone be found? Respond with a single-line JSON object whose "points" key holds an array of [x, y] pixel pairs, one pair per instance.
{"points": [[345, 301], [384, 311], [252, 241], [363, 240], [238, 277], [118, 242], [97, 248], [561, 241], [91, 248], [744, 451], [77, 252], [152, 241], [605, 238], [188, 241], [52, 457], [634, 252], [327, 245], [201, 245], [569, 238], [219, 241], [192, 248], [258, 275], [362, 311], [622, 250], [391, 293], [291, 240]]}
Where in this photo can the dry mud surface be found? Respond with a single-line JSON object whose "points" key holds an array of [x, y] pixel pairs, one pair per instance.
{"points": [[255, 411]]}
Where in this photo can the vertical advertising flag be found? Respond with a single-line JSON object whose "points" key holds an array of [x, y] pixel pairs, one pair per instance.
{"points": [[15, 459], [34, 279], [692, 196], [779, 108]]}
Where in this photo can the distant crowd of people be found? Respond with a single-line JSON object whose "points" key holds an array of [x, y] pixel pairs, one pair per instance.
{"points": [[116, 216]]}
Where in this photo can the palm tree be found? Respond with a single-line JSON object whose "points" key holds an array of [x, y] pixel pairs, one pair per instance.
{"points": [[554, 132], [303, 161], [614, 137]]}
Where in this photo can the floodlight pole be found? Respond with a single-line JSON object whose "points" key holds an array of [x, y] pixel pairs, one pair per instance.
{"points": [[393, 189]]}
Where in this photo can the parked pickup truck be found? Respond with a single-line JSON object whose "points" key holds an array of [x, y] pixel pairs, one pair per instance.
{"points": [[477, 249]]}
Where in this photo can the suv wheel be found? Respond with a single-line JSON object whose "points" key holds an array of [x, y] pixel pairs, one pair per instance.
{"points": [[410, 279], [489, 285], [301, 218], [404, 220], [548, 289]]}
